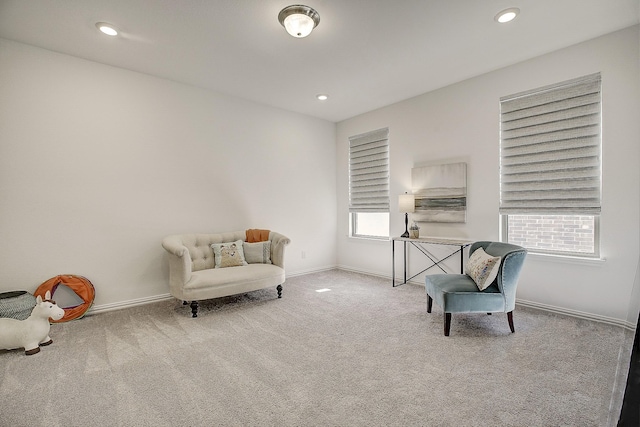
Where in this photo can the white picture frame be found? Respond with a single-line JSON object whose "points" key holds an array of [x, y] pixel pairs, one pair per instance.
{"points": [[440, 193]]}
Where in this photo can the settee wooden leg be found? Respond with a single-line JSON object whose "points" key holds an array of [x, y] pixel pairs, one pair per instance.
{"points": [[194, 308], [447, 324], [510, 318], [429, 303], [279, 289]]}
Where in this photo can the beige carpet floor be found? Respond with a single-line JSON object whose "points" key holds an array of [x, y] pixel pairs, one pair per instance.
{"points": [[361, 354]]}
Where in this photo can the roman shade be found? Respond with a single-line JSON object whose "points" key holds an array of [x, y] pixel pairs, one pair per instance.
{"points": [[550, 149], [369, 172]]}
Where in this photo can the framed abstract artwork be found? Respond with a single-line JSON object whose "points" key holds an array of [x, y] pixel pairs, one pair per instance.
{"points": [[440, 193]]}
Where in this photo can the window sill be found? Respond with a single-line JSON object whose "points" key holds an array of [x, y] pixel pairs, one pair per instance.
{"points": [[567, 259], [370, 238]]}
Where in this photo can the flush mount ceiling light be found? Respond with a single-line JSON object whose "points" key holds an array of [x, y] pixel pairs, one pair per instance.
{"points": [[299, 20], [507, 15], [322, 97], [107, 29]]}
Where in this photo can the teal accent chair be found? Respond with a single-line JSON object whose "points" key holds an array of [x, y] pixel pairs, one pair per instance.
{"points": [[458, 293]]}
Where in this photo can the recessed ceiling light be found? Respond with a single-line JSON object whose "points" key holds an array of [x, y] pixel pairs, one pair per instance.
{"points": [[322, 97], [507, 15], [107, 29]]}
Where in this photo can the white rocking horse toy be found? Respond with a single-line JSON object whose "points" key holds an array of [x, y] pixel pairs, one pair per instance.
{"points": [[32, 332]]}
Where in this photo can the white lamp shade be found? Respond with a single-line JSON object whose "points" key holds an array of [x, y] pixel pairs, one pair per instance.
{"points": [[407, 203], [298, 25]]}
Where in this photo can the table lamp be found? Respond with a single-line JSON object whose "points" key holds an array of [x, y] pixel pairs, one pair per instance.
{"points": [[407, 204]]}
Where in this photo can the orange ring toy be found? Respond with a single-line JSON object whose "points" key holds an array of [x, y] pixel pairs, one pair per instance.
{"points": [[78, 284]]}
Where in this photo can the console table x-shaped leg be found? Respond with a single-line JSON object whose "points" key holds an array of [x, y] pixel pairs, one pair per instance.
{"points": [[459, 246]]}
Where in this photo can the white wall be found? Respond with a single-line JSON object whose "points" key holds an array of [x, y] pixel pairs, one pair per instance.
{"points": [[461, 123], [98, 164]]}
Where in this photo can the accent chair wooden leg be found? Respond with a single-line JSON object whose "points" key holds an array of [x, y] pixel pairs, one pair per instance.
{"points": [[429, 303], [510, 318], [194, 308], [447, 324], [279, 289]]}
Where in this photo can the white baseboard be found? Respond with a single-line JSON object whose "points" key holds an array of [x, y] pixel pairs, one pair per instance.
{"points": [[102, 308], [576, 313], [310, 271], [369, 273], [530, 304]]}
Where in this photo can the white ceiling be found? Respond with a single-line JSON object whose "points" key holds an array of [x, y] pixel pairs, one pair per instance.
{"points": [[365, 54]]}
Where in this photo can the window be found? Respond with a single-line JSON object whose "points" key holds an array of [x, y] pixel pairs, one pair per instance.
{"points": [[567, 234], [550, 167], [369, 184], [370, 224]]}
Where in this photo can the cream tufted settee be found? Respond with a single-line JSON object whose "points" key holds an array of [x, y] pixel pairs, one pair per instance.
{"points": [[192, 276]]}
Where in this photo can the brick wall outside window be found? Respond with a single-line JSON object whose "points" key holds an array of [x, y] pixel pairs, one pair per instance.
{"points": [[556, 233]]}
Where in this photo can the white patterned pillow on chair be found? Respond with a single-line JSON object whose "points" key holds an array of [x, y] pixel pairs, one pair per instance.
{"points": [[482, 268]]}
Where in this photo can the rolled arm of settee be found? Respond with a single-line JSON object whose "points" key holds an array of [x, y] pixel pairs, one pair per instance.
{"points": [[174, 245], [179, 261], [278, 243]]}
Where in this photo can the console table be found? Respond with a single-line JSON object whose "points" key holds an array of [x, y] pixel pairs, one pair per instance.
{"points": [[457, 246]]}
